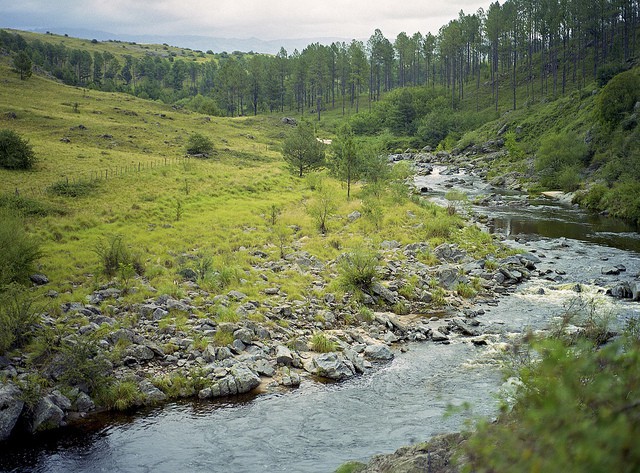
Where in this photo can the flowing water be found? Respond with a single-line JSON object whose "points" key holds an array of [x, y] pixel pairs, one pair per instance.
{"points": [[320, 426]]}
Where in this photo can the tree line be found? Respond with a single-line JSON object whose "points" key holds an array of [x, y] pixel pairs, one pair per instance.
{"points": [[556, 45]]}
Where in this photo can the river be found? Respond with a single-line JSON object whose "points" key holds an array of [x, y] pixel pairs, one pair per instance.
{"points": [[317, 427]]}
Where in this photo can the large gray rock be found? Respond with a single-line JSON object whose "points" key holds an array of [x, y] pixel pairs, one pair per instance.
{"points": [[378, 352], [333, 365], [46, 415], [10, 409], [151, 393], [138, 354], [447, 252], [385, 294], [448, 276], [245, 379], [284, 356]]}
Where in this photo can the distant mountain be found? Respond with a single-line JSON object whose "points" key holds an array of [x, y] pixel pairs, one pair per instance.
{"points": [[203, 43]]}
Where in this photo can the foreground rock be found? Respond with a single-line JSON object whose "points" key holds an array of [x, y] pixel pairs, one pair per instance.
{"points": [[434, 456], [10, 409]]}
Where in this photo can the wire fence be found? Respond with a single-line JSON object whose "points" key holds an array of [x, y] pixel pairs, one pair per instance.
{"points": [[104, 174]]}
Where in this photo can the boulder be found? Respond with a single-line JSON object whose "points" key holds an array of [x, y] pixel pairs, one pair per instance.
{"points": [[378, 352], [284, 356], [385, 294], [46, 415], [10, 409], [245, 379], [151, 393], [138, 354], [39, 279], [333, 366]]}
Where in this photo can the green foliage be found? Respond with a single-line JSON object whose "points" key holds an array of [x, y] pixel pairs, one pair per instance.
{"points": [[15, 152], [576, 409], [559, 160], [121, 395], [115, 254], [357, 269], [81, 188], [22, 65], [351, 467], [321, 208], [322, 344], [513, 147], [18, 315], [81, 363], [18, 250], [465, 291], [618, 97], [346, 161], [222, 338], [28, 207], [199, 145], [302, 151]]}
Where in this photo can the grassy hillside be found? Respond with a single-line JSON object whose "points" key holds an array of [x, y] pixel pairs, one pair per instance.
{"points": [[124, 158]]}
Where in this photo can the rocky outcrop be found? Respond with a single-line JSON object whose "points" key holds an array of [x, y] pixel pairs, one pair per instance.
{"points": [[331, 365], [10, 408], [435, 456]]}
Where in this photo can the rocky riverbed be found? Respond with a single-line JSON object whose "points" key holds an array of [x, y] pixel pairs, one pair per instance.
{"points": [[143, 343], [164, 345]]}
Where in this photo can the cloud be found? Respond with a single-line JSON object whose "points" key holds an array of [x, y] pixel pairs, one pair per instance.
{"points": [[272, 19]]}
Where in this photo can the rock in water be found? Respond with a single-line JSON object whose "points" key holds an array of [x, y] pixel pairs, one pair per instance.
{"points": [[10, 409], [333, 366], [378, 352], [246, 379]]}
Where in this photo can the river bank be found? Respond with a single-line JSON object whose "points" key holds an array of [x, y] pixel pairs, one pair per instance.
{"points": [[283, 340]]}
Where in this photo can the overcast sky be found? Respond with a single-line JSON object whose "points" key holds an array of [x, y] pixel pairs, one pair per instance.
{"points": [[264, 19]]}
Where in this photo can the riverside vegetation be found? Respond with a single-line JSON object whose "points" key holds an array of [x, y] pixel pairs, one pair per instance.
{"points": [[156, 278], [159, 276]]}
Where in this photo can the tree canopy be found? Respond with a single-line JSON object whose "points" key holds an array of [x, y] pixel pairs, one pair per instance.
{"points": [[302, 151]]}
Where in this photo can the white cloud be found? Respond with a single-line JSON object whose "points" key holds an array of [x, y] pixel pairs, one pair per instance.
{"points": [[273, 19]]}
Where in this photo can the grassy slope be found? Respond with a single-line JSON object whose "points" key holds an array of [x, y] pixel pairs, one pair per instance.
{"points": [[117, 48], [222, 201]]}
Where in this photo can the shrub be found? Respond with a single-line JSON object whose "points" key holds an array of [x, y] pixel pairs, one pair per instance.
{"points": [[321, 209], [322, 344], [357, 269], [18, 251], [121, 395], [618, 97], [28, 207], [114, 255], [199, 144], [559, 159], [74, 189], [576, 409], [15, 152], [18, 315], [82, 364]]}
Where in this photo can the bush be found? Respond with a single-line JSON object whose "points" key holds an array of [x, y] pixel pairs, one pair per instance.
{"points": [[618, 97], [357, 269], [576, 409], [15, 152], [199, 144], [18, 251], [18, 315], [73, 189], [559, 159], [320, 343], [114, 255]]}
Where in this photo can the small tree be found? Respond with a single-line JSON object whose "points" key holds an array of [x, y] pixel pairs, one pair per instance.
{"points": [[346, 162], [22, 65], [15, 152], [321, 209], [302, 151], [199, 145]]}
